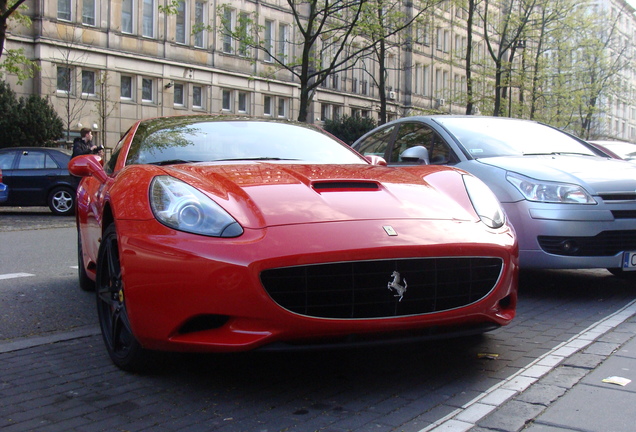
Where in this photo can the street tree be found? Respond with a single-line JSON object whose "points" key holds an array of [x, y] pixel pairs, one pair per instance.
{"points": [[14, 61], [385, 25], [505, 23], [104, 106], [323, 46], [73, 104]]}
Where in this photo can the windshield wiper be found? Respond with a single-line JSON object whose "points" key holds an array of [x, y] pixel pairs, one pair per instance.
{"points": [[558, 154]]}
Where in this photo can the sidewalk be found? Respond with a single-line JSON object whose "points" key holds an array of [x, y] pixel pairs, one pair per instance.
{"points": [[587, 384]]}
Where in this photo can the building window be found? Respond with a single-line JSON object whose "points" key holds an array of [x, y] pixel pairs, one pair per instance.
{"points": [[147, 91], [417, 87], [226, 100], [268, 42], [179, 96], [88, 82], [148, 29], [126, 87], [64, 78], [180, 36], [325, 112], [64, 10], [199, 14], [336, 112], [283, 42], [282, 107], [197, 97], [88, 12], [267, 105], [228, 28], [242, 102], [243, 31], [127, 16], [426, 80]]}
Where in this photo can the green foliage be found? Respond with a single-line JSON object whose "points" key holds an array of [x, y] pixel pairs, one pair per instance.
{"points": [[30, 121], [9, 128], [349, 129], [15, 62]]}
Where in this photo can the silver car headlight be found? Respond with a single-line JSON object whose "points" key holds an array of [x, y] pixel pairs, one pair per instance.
{"points": [[184, 208], [550, 192], [484, 202]]}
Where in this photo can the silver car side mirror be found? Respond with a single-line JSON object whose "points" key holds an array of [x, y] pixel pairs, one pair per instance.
{"points": [[417, 154]]}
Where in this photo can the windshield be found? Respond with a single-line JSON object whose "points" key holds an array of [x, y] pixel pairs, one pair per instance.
{"points": [[490, 137], [201, 139]]}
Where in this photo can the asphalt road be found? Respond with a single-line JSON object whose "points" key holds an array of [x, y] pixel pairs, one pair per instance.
{"points": [[382, 389]]}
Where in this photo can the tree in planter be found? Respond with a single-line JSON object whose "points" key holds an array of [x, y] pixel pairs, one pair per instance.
{"points": [[349, 129], [30, 121]]}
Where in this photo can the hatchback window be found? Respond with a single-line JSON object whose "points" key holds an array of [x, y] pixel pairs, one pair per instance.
{"points": [[36, 160], [6, 160], [376, 144]]}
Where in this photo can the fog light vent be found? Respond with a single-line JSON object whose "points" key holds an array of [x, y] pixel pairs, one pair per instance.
{"points": [[204, 322]]}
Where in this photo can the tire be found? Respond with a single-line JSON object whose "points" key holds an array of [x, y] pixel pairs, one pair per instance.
{"points": [[61, 201], [123, 348], [625, 275], [85, 283]]}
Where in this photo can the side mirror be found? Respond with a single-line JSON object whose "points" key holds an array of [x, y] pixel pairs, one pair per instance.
{"points": [[87, 166], [376, 160], [417, 154]]}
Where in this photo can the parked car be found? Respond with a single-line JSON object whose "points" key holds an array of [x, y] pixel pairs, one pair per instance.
{"points": [[4, 191], [571, 206], [206, 233], [38, 176], [617, 149]]}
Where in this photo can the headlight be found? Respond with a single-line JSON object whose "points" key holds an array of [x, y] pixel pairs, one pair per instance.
{"points": [[182, 207], [485, 202], [550, 192]]}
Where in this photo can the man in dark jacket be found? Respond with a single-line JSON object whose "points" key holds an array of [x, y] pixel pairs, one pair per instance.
{"points": [[84, 143]]}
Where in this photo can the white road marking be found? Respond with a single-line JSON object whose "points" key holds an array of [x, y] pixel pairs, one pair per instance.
{"points": [[15, 275], [467, 416]]}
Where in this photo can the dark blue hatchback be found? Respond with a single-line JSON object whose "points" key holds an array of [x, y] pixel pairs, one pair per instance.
{"points": [[38, 176]]}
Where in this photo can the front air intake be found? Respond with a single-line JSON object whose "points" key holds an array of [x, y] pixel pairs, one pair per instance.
{"points": [[363, 289]]}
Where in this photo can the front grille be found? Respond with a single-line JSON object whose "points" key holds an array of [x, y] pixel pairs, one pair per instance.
{"points": [[359, 289], [607, 243], [624, 214], [618, 196]]}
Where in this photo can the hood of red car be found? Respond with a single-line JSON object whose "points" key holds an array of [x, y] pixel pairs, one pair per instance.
{"points": [[269, 194]]}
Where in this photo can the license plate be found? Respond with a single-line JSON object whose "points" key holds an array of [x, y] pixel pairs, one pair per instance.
{"points": [[629, 261]]}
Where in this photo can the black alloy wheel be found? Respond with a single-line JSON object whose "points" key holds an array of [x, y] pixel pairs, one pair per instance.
{"points": [[123, 348]]}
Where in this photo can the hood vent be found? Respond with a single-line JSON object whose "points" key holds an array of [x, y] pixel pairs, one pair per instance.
{"points": [[345, 185]]}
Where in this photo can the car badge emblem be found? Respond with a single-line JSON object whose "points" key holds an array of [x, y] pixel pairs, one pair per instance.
{"points": [[395, 285], [389, 230]]}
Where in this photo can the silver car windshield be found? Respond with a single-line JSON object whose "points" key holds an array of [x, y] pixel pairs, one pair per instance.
{"points": [[492, 137]]}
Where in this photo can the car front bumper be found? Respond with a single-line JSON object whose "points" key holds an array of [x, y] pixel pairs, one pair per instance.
{"points": [[192, 293], [572, 236]]}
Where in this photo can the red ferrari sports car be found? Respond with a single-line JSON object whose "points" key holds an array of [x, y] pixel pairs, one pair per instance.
{"points": [[218, 234]]}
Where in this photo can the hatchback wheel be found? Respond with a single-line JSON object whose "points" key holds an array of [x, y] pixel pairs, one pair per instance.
{"points": [[61, 201]]}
